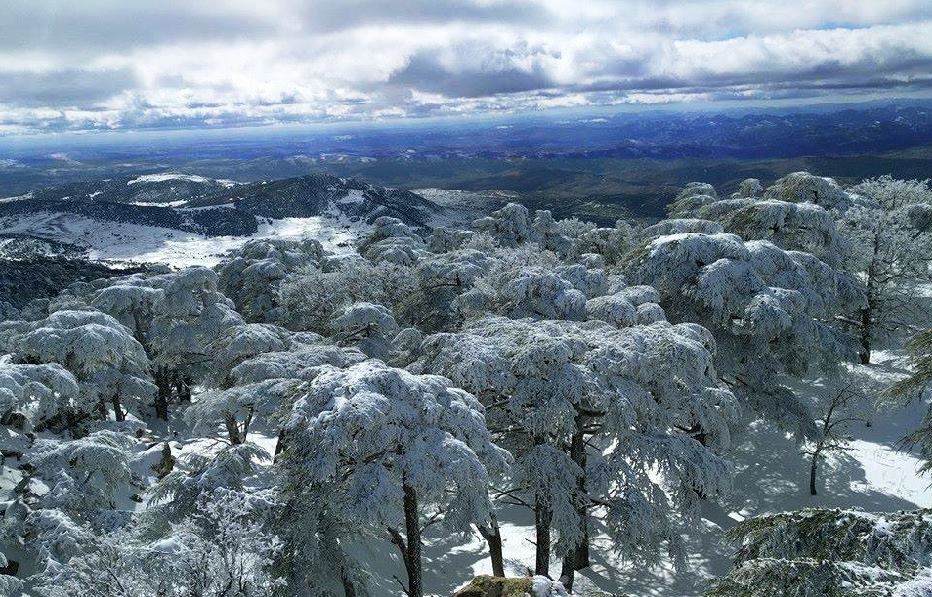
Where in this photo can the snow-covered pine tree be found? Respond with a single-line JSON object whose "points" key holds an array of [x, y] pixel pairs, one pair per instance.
{"points": [[261, 390], [889, 226], [591, 412], [832, 553], [770, 310], [313, 297], [40, 397], [251, 275], [913, 388], [189, 317], [224, 548], [110, 365], [391, 450]]}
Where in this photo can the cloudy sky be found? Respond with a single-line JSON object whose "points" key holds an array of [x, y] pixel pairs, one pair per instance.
{"points": [[118, 64]]}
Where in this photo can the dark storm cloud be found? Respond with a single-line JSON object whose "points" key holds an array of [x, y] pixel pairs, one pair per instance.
{"points": [[425, 73]]}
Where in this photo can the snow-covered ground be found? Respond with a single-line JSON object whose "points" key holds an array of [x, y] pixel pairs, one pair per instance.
{"points": [[120, 242], [166, 176]]}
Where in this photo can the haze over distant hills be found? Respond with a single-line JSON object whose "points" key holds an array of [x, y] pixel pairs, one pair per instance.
{"points": [[601, 164]]}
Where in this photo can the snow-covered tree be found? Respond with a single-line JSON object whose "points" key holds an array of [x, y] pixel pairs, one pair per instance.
{"points": [[110, 365], [831, 552], [189, 317], [803, 187], [834, 424], [313, 297], [523, 282], [392, 450], [880, 230], [392, 241], [513, 226], [771, 312], [262, 387], [40, 397], [367, 326], [440, 280], [84, 474], [793, 226], [891, 238], [252, 274], [223, 549], [238, 343], [591, 412], [914, 388]]}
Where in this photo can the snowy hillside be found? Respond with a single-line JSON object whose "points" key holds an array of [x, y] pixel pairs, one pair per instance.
{"points": [[122, 242], [180, 219]]}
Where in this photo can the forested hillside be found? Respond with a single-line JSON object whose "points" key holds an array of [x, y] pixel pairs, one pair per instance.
{"points": [[586, 409]]}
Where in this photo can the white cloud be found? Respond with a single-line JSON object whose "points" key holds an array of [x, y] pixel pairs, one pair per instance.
{"points": [[149, 63]]}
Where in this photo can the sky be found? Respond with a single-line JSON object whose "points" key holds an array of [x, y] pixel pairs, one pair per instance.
{"points": [[68, 65]]}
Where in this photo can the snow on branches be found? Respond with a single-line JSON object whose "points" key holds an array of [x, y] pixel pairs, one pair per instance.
{"points": [[392, 449], [831, 552], [102, 354], [590, 411], [769, 310]]}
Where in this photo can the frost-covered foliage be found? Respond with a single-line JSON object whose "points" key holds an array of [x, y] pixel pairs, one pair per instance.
{"points": [[262, 386], [239, 343], [831, 552], [84, 474], [803, 187], [38, 397], [252, 274], [913, 388], [890, 228], [368, 326], [133, 305], [102, 354], [388, 449], [190, 315], [312, 298], [591, 412], [794, 226], [513, 225], [223, 549], [767, 308], [392, 241], [609, 243], [879, 230]]}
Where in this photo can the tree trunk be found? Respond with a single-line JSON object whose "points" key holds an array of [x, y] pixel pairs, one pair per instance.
{"points": [[866, 331], [413, 542], [493, 536], [348, 589], [118, 412], [163, 383], [812, 474], [867, 314], [232, 429], [183, 385], [280, 445], [578, 557], [542, 518]]}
